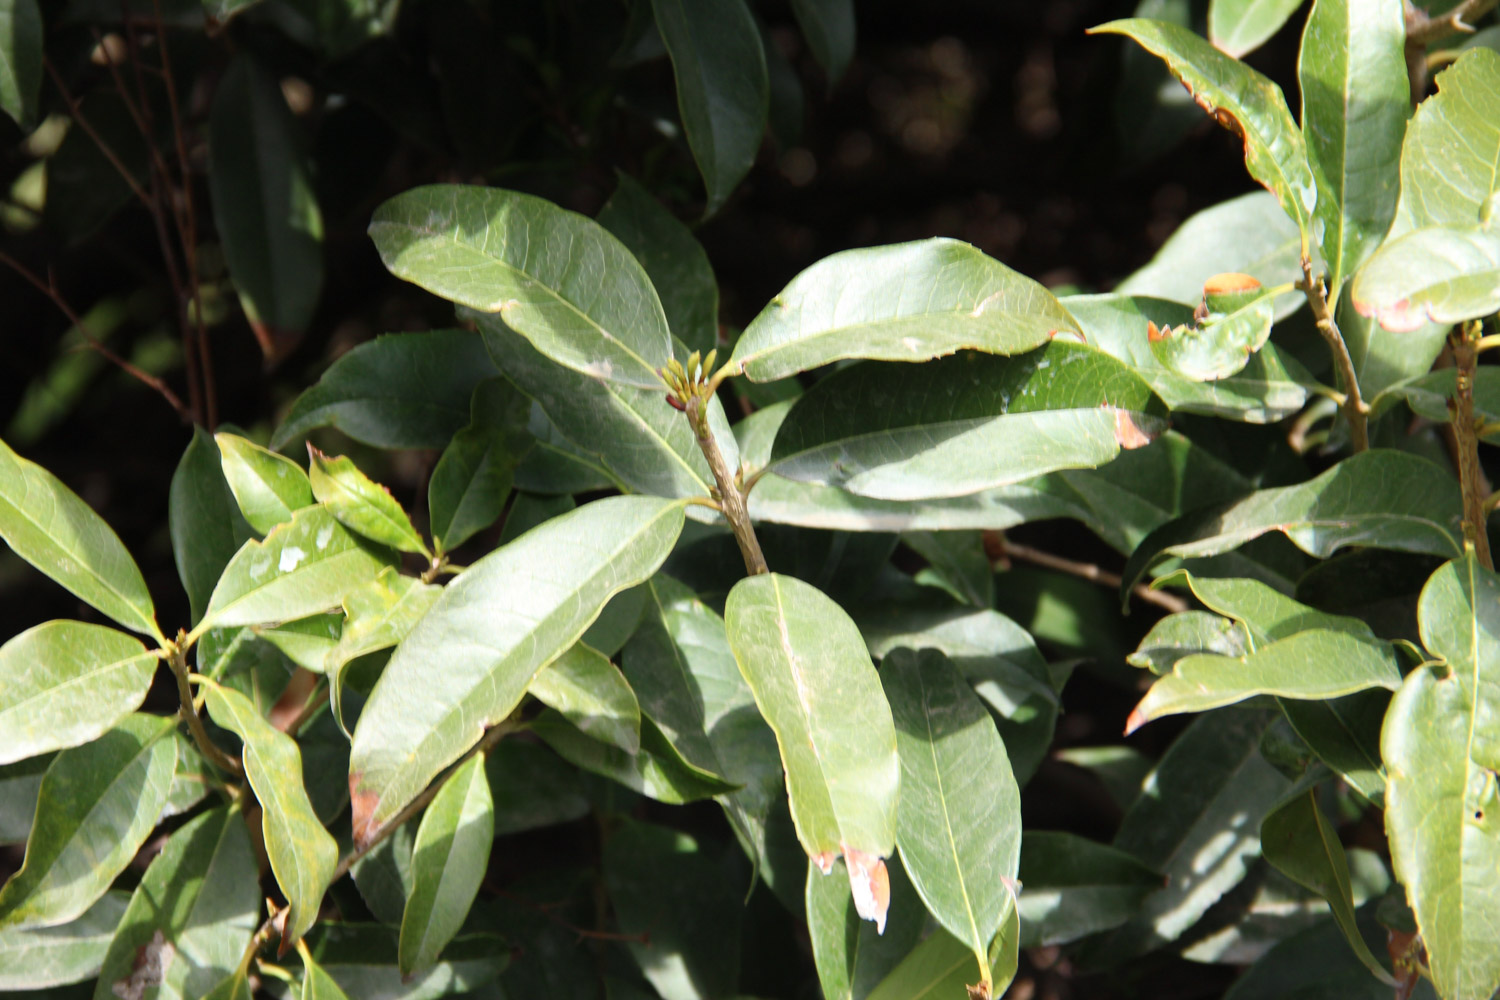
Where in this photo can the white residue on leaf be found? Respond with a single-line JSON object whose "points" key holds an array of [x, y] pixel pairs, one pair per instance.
{"points": [[600, 369], [325, 535], [290, 557]]}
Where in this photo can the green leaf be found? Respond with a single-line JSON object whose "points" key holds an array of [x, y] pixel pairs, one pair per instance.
{"points": [[265, 205], [306, 641], [302, 567], [1266, 614], [196, 908], [557, 278], [19, 785], [35, 958], [1121, 770], [384, 877], [828, 26], [1301, 843], [592, 694], [361, 504], [1241, 26], [448, 862], [1218, 349], [97, 805], [939, 968], [1383, 498], [1182, 634], [905, 302], [1442, 799], [20, 60], [402, 390], [1440, 274], [361, 959], [1312, 665], [966, 423], [1428, 396], [658, 771], [1345, 734], [378, 616], [1355, 101], [958, 562], [531, 787], [205, 520], [268, 487], [686, 897], [472, 479], [64, 683], [632, 433], [813, 682], [959, 821], [1075, 887], [1448, 159], [674, 261], [723, 92], [317, 984], [1243, 101], [851, 956], [303, 855], [1315, 964], [47, 524], [514, 611]]}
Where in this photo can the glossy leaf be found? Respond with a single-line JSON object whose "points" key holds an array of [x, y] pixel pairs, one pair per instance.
{"points": [[1448, 158], [674, 261], [555, 277], [35, 958], [20, 60], [472, 479], [302, 567], [1355, 101], [592, 694], [1073, 887], [306, 641], [851, 956], [1246, 103], [448, 862], [205, 521], [1428, 395], [1300, 842], [828, 26], [1442, 811], [1184, 633], [268, 487], [959, 820], [1241, 26], [1219, 348], [905, 302], [97, 805], [723, 92], [360, 504], [633, 434], [1345, 734], [303, 855], [402, 390], [361, 959], [1266, 614], [1383, 498], [199, 902], [1440, 274], [514, 611], [965, 424], [50, 527], [813, 682]]}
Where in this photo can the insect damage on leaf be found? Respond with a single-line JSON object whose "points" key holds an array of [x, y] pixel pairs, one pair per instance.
{"points": [[1129, 434], [149, 970], [362, 806], [871, 885], [1398, 317]]}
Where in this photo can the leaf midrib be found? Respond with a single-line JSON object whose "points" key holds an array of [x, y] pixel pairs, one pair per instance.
{"points": [[937, 770]]}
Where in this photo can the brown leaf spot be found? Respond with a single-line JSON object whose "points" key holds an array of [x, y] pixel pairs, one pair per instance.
{"points": [[1129, 434], [1398, 317], [149, 969], [824, 861], [979, 991], [1232, 281], [362, 805], [871, 885], [1155, 333]]}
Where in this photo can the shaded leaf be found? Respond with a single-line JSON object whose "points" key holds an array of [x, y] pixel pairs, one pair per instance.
{"points": [[658, 770], [19, 785], [378, 616], [1074, 887], [1440, 274], [559, 279], [97, 805], [20, 60], [50, 527], [828, 26], [851, 956], [306, 641], [1345, 734], [205, 520], [268, 487], [1315, 964], [303, 855], [1121, 770], [1448, 159], [448, 862], [531, 787], [938, 968], [513, 611], [904, 302], [472, 479], [1428, 395], [965, 424], [592, 694], [958, 562], [1241, 26], [361, 504], [35, 958], [361, 959], [317, 984], [64, 683], [402, 390]]}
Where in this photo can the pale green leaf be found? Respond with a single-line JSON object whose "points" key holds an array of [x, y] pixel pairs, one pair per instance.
{"points": [[1184, 633], [905, 302], [64, 683], [317, 984], [50, 527], [658, 770], [555, 277], [1241, 26], [448, 862], [378, 616], [268, 487], [592, 694], [1073, 887], [1218, 349], [467, 663], [97, 805], [303, 855], [1440, 274], [35, 958], [940, 968], [1448, 160], [958, 562], [360, 504], [306, 641], [20, 60], [205, 521]]}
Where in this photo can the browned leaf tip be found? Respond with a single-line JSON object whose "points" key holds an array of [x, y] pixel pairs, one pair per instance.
{"points": [[362, 805], [1129, 434], [824, 861], [1231, 281], [1155, 333], [1136, 720], [871, 885]]}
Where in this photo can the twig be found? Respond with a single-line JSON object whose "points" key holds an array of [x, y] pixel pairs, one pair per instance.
{"points": [[1089, 571], [50, 290], [731, 499], [1462, 340], [545, 909], [104, 147], [177, 660], [1423, 29], [1353, 407]]}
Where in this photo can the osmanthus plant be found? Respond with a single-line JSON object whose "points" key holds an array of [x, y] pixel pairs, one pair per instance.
{"points": [[638, 645]]}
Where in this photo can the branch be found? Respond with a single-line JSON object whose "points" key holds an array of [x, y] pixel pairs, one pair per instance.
{"points": [[1088, 571], [1422, 29], [104, 147], [1466, 441], [177, 660], [1353, 407]]}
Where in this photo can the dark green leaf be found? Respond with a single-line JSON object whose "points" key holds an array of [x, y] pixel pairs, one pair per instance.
{"points": [[97, 805], [592, 694], [20, 60], [657, 771], [723, 93], [448, 862], [361, 959], [19, 785], [360, 504], [531, 787], [1183, 634], [205, 520], [307, 641], [265, 206], [472, 479], [378, 616], [402, 390], [35, 958], [268, 487], [1345, 734], [937, 969], [50, 527], [906, 302], [1315, 964], [1440, 274], [1074, 887], [1241, 26], [828, 26], [1121, 770], [958, 562]]}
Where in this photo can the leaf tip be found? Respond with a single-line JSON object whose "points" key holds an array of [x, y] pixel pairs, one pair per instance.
{"points": [[871, 884], [1136, 720]]}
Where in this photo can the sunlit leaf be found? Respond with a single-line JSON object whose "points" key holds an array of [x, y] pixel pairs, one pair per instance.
{"points": [[472, 479], [851, 956], [268, 487], [35, 958], [1440, 274], [448, 862], [360, 504], [592, 694], [1241, 26], [1448, 159], [205, 520]]}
